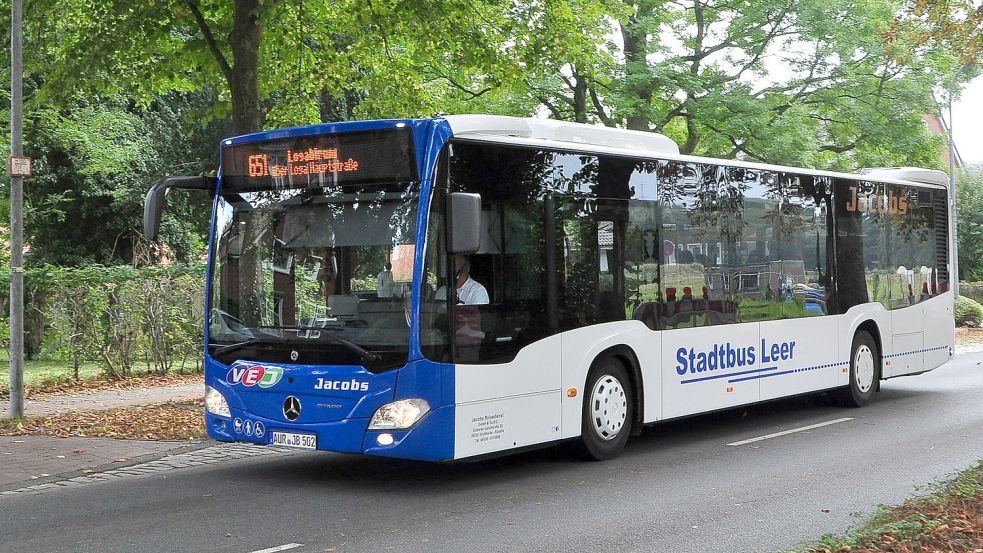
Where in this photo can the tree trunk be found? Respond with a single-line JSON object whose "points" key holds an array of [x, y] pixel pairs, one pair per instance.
{"points": [[245, 41], [579, 97], [636, 72]]}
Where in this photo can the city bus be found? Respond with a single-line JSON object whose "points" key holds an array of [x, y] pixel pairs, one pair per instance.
{"points": [[465, 286]]}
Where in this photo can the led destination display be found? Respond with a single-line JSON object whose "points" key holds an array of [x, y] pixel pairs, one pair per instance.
{"points": [[322, 160]]}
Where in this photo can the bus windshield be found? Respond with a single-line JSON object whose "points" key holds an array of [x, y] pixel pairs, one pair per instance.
{"points": [[322, 274], [314, 271]]}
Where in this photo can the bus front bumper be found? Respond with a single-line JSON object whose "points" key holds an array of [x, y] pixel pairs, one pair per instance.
{"points": [[430, 439]]}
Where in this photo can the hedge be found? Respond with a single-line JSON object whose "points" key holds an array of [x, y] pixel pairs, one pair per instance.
{"points": [[120, 316]]}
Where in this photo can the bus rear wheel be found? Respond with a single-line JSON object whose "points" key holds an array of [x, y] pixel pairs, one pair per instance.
{"points": [[608, 410], [864, 371]]}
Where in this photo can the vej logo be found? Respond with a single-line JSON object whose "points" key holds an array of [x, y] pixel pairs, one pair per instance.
{"points": [[352, 384], [253, 375]]}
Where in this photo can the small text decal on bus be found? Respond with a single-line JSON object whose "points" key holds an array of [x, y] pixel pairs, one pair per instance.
{"points": [[352, 384], [877, 203]]}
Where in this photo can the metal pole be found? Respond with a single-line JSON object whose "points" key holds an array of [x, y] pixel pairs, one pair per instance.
{"points": [[16, 215], [952, 189]]}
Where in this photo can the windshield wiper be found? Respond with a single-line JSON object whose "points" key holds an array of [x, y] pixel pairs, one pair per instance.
{"points": [[236, 346], [353, 347], [325, 333]]}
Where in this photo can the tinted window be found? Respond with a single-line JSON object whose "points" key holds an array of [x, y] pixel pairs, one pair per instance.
{"points": [[740, 245], [890, 249]]}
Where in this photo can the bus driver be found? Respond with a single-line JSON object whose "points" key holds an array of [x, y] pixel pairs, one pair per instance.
{"points": [[468, 290]]}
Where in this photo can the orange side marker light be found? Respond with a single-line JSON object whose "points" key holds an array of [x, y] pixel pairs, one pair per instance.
{"points": [[571, 392]]}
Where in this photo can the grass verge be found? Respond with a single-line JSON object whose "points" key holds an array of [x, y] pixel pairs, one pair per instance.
{"points": [[948, 517], [172, 420], [41, 371]]}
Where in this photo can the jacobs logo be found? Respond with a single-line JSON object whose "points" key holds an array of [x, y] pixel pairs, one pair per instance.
{"points": [[353, 385], [255, 375], [877, 203]]}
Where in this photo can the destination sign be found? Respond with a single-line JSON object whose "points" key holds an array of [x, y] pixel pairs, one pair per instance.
{"points": [[321, 160]]}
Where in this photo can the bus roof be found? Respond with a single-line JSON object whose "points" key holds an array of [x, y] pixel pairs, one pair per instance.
{"points": [[561, 131], [601, 139]]}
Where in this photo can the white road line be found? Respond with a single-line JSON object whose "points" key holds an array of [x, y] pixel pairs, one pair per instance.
{"points": [[279, 548], [794, 430]]}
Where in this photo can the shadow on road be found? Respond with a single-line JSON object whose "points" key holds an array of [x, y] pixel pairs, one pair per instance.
{"points": [[657, 444]]}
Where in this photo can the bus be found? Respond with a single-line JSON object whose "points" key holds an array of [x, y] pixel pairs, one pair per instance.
{"points": [[465, 286]]}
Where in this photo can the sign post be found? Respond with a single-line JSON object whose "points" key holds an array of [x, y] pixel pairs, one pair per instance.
{"points": [[18, 167]]}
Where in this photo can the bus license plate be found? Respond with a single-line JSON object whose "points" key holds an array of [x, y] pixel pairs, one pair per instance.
{"points": [[291, 439]]}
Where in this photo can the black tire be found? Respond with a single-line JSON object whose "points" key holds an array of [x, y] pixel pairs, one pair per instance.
{"points": [[608, 392], [865, 371]]}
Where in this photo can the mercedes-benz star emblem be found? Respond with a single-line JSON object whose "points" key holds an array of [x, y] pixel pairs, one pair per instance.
{"points": [[294, 355], [291, 408]]}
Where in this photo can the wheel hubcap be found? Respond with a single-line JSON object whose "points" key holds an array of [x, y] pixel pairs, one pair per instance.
{"points": [[608, 407], [863, 364]]}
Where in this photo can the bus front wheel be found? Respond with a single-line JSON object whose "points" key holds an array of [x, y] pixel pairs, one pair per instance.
{"points": [[608, 410], [864, 371]]}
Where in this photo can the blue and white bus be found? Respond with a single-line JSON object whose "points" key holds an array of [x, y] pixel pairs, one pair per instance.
{"points": [[458, 287]]}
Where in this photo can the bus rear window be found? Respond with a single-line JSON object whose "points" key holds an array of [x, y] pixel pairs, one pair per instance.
{"points": [[359, 158]]}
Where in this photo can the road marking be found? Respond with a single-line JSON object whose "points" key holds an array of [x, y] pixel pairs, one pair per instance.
{"points": [[283, 547], [792, 431]]}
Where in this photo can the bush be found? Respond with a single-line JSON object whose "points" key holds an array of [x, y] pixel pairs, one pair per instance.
{"points": [[968, 312], [118, 315], [973, 290]]}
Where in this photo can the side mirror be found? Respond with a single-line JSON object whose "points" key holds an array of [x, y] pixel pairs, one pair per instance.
{"points": [[464, 223], [154, 204]]}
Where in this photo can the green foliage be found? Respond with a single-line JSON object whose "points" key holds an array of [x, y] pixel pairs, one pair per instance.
{"points": [[907, 525], [851, 93], [968, 312], [969, 218], [388, 58], [973, 290], [93, 166], [119, 315], [846, 97]]}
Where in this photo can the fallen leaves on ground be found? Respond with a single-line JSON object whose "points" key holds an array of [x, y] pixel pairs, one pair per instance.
{"points": [[172, 420], [949, 521], [71, 387]]}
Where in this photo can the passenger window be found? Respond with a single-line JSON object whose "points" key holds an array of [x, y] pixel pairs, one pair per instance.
{"points": [[898, 234], [740, 245]]}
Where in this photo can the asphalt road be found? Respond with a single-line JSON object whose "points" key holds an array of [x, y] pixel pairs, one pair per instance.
{"points": [[679, 488]]}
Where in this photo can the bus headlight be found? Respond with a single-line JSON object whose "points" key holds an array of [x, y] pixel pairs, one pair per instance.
{"points": [[215, 402], [399, 415]]}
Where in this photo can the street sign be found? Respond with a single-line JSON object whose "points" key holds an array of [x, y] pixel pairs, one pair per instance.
{"points": [[19, 166], [668, 247]]}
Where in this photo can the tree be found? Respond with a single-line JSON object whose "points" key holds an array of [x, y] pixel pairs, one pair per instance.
{"points": [[955, 25], [970, 223], [92, 167], [705, 73], [278, 62]]}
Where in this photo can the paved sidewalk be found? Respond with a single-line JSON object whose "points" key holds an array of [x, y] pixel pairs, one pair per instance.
{"points": [[969, 340], [30, 459], [35, 459], [106, 399]]}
